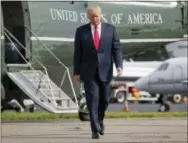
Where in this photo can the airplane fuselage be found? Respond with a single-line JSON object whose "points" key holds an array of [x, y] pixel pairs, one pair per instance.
{"points": [[170, 77]]}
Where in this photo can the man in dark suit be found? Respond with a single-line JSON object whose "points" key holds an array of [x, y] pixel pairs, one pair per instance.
{"points": [[96, 46]]}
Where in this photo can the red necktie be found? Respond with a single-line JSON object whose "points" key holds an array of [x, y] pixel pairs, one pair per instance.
{"points": [[96, 38]]}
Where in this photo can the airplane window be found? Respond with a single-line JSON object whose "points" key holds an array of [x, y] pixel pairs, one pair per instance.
{"points": [[160, 67], [165, 66]]}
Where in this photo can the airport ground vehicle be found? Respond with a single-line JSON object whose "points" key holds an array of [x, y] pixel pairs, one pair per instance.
{"points": [[126, 91], [130, 93], [177, 98]]}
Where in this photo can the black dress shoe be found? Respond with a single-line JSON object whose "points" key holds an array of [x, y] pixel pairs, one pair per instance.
{"points": [[95, 135], [101, 132]]}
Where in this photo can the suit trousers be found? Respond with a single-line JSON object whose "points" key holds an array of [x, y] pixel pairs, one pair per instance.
{"points": [[97, 98]]}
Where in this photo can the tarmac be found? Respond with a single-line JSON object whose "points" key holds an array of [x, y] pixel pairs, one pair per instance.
{"points": [[152, 130]]}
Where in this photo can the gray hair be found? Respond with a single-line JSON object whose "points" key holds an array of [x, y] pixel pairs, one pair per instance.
{"points": [[93, 8]]}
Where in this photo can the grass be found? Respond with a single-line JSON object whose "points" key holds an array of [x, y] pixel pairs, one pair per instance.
{"points": [[12, 116]]}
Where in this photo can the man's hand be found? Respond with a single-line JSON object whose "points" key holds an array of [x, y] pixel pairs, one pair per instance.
{"points": [[119, 71], [77, 78]]}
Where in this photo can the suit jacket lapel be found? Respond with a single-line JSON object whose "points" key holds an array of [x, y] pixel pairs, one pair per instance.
{"points": [[102, 35], [90, 36]]}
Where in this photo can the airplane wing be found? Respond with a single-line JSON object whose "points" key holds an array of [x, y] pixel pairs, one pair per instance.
{"points": [[137, 69]]}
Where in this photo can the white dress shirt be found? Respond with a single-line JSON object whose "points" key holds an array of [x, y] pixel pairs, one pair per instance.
{"points": [[98, 28]]}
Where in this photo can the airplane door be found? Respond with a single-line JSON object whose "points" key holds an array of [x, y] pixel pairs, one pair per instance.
{"points": [[177, 79]]}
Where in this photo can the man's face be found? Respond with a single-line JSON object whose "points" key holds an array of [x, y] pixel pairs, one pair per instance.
{"points": [[94, 17]]}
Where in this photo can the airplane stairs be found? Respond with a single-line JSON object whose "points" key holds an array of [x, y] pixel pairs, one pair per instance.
{"points": [[37, 85], [43, 91]]}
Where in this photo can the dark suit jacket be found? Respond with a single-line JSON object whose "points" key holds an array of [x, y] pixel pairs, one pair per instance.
{"points": [[87, 58]]}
